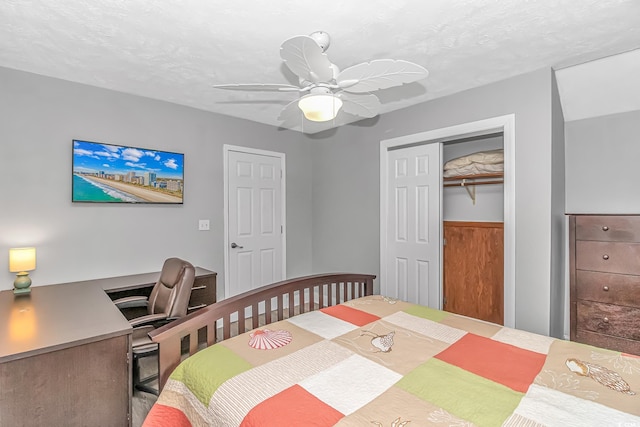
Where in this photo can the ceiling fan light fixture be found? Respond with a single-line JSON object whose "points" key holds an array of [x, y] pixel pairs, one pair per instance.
{"points": [[320, 107], [324, 87]]}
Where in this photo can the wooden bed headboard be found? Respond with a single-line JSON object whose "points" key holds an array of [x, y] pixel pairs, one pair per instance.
{"points": [[250, 310]]}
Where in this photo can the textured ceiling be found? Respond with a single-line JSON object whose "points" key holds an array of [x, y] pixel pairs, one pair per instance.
{"points": [[175, 50]]}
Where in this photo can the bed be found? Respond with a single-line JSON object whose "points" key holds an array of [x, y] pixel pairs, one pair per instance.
{"points": [[323, 350]]}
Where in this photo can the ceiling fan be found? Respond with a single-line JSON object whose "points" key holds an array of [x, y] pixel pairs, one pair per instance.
{"points": [[324, 89]]}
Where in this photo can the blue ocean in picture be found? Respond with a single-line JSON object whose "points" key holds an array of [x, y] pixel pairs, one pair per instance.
{"points": [[87, 191]]}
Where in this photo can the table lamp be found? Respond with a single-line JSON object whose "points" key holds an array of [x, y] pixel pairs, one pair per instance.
{"points": [[21, 261]]}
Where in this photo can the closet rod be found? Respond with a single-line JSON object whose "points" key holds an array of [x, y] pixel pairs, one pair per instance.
{"points": [[469, 183]]}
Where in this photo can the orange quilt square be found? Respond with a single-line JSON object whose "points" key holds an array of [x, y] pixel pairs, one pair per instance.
{"points": [[506, 364], [162, 415], [294, 406], [351, 315]]}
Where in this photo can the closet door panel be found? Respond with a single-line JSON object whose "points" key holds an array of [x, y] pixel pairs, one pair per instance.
{"points": [[473, 267]]}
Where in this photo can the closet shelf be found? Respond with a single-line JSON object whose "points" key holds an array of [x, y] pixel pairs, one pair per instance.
{"points": [[470, 181], [479, 179]]}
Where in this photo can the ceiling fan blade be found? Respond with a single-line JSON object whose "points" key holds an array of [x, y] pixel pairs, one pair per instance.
{"points": [[291, 114], [259, 87], [305, 58], [360, 105], [379, 74]]}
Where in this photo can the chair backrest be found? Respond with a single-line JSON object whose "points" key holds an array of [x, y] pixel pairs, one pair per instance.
{"points": [[172, 291]]}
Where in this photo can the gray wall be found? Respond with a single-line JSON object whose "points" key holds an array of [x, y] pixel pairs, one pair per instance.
{"points": [[603, 157], [332, 182], [559, 233], [40, 116], [346, 196]]}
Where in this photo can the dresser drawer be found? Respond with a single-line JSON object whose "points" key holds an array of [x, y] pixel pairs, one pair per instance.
{"points": [[620, 289], [608, 228], [609, 319], [611, 257], [607, 341]]}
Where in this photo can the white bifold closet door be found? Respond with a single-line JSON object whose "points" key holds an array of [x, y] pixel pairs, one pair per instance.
{"points": [[413, 238]]}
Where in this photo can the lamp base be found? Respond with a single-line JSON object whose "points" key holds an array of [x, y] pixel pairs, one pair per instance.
{"points": [[22, 283]]}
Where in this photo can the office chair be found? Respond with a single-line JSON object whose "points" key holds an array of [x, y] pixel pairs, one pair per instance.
{"points": [[168, 301]]}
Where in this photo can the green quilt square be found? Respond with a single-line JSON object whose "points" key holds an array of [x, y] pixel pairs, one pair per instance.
{"points": [[426, 313], [461, 393], [213, 366]]}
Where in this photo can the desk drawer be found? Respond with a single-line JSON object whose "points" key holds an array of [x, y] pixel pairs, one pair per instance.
{"points": [[608, 257], [203, 292], [609, 319], [608, 228], [620, 289]]}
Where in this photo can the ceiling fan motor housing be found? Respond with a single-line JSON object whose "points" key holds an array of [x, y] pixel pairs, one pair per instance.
{"points": [[322, 38]]}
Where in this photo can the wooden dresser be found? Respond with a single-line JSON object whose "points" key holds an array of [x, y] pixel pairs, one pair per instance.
{"points": [[604, 259]]}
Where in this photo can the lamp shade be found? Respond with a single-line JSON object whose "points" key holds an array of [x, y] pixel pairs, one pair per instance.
{"points": [[22, 259], [320, 107]]}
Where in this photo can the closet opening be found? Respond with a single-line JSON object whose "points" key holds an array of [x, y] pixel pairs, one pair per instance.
{"points": [[412, 215], [473, 227]]}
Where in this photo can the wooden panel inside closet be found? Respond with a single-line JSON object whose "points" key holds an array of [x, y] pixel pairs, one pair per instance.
{"points": [[473, 269]]}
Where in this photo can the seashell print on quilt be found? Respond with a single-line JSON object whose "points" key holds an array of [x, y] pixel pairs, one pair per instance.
{"points": [[266, 339], [600, 374]]}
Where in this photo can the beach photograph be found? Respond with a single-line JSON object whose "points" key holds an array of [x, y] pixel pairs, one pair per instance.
{"points": [[107, 173]]}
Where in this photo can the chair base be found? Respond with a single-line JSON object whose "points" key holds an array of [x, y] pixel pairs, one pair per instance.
{"points": [[141, 384]]}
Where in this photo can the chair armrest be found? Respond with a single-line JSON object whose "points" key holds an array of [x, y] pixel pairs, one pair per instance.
{"points": [[149, 318], [132, 301]]}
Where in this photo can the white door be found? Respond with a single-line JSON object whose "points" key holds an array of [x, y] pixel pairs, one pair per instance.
{"points": [[413, 242], [255, 219]]}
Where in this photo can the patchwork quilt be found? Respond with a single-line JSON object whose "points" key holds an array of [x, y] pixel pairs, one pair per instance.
{"points": [[382, 362]]}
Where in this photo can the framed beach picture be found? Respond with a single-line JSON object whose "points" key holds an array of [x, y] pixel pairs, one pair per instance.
{"points": [[107, 173]]}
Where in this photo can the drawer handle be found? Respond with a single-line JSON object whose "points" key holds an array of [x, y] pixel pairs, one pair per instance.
{"points": [[604, 323], [605, 228], [196, 288], [605, 288], [605, 257], [196, 307]]}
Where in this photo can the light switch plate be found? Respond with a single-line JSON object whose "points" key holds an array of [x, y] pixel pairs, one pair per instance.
{"points": [[203, 225]]}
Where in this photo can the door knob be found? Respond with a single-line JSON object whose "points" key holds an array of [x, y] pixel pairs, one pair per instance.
{"points": [[234, 245]]}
